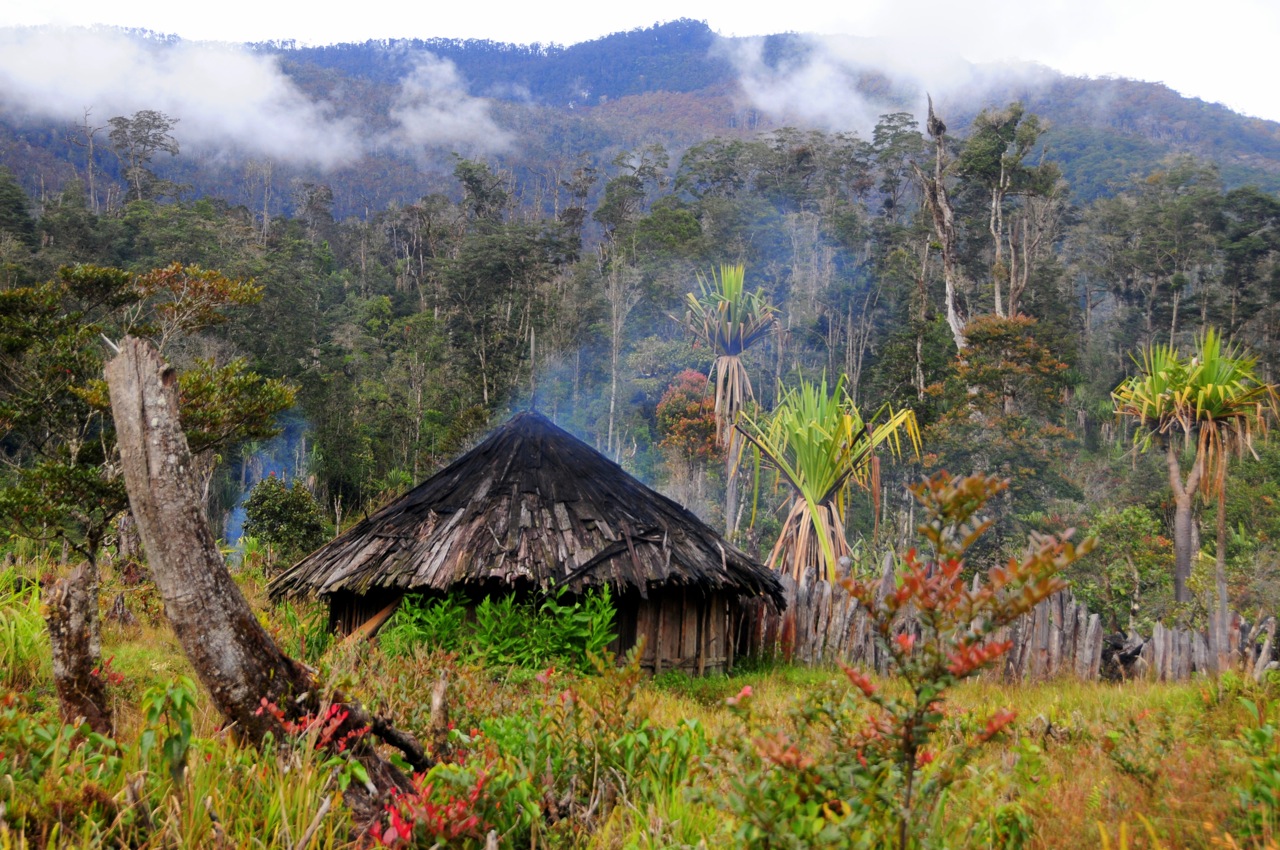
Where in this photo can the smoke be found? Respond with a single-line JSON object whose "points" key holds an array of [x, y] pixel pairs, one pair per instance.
{"points": [[433, 109], [846, 83], [228, 100]]}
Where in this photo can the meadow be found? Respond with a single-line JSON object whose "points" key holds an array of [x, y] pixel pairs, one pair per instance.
{"points": [[555, 757]]}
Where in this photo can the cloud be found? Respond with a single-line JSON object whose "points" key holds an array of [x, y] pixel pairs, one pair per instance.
{"points": [[846, 83], [225, 97], [433, 109]]}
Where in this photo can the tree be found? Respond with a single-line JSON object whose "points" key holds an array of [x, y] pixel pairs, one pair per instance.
{"points": [[59, 471], [686, 421], [819, 442], [1215, 401], [994, 157], [1154, 247], [257, 688], [288, 517], [944, 222], [136, 141], [730, 320], [1001, 401], [895, 141]]}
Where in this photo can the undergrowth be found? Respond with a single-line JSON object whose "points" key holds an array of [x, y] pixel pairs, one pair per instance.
{"points": [[508, 632]]}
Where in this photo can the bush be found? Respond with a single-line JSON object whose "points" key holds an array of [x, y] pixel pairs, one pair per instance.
{"points": [[868, 766], [288, 518], [506, 632]]}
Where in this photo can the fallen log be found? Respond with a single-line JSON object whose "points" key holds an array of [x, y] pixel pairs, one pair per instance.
{"points": [[234, 657]]}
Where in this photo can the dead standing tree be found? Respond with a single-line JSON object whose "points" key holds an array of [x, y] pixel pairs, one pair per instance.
{"points": [[233, 656], [944, 222]]}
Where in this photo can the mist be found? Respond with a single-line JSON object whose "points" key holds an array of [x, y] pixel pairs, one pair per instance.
{"points": [[433, 109], [825, 82], [227, 99]]}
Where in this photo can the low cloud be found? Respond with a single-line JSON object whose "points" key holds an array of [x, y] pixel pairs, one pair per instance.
{"points": [[846, 83], [225, 97], [433, 109]]}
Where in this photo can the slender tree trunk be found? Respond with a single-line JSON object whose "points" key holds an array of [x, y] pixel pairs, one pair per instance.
{"points": [[1221, 615], [996, 226], [935, 195], [733, 448], [1183, 495]]}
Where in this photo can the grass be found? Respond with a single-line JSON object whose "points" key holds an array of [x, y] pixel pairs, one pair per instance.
{"points": [[1139, 763], [24, 643]]}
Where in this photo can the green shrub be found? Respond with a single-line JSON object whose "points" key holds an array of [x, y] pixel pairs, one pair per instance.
{"points": [[505, 632], [288, 518]]}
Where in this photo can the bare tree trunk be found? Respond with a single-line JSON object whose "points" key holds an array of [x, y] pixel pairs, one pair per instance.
{"points": [[935, 195], [1183, 494], [76, 642], [733, 454], [1221, 615], [234, 657]]}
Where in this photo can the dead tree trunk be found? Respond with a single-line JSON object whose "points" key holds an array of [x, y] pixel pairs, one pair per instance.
{"points": [[234, 657], [76, 644], [944, 225]]}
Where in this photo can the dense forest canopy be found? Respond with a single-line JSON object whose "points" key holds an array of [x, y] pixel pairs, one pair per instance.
{"points": [[994, 269]]}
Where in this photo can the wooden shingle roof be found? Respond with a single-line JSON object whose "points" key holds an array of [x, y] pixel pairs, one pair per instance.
{"points": [[530, 505]]}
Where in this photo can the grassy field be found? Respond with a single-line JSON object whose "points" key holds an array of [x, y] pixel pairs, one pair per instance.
{"points": [[612, 760]]}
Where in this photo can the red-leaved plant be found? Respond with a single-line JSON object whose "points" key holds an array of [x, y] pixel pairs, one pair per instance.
{"points": [[865, 768], [939, 629]]}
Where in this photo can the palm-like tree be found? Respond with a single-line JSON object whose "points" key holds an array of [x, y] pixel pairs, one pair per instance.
{"points": [[730, 320], [819, 443], [1216, 402]]}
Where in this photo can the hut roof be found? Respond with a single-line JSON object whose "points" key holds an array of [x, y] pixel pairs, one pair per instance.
{"points": [[532, 505]]}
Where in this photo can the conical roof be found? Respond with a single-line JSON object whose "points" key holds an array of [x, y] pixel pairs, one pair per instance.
{"points": [[531, 505]]}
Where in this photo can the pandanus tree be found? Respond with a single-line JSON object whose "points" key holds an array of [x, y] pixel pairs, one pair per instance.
{"points": [[1212, 402], [729, 319], [820, 444]]}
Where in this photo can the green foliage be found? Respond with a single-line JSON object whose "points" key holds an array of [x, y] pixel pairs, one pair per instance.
{"points": [[61, 477], [1259, 794], [24, 642], [1130, 569], [304, 628], [167, 712], [68, 786], [819, 443], [286, 517], [504, 631]]}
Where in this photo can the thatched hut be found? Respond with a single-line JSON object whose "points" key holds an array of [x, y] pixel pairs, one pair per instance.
{"points": [[534, 509]]}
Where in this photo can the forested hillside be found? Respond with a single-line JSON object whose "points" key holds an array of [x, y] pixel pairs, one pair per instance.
{"points": [[417, 292]]}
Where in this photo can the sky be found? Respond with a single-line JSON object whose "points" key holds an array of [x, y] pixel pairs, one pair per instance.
{"points": [[1219, 51]]}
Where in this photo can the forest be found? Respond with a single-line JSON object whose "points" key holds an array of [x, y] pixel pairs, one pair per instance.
{"points": [[995, 301]]}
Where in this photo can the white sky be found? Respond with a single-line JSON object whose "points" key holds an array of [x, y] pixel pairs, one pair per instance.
{"points": [[1221, 51]]}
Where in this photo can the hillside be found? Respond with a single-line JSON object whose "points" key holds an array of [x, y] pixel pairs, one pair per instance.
{"points": [[398, 109]]}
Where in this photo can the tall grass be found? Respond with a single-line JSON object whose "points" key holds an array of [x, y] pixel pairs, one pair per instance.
{"points": [[24, 643]]}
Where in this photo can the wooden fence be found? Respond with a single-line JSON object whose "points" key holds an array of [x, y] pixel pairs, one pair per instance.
{"points": [[822, 624]]}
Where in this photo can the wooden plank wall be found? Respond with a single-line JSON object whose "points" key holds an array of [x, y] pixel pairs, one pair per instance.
{"points": [[822, 624], [684, 630]]}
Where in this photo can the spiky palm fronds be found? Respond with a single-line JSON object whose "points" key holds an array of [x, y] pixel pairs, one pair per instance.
{"points": [[819, 443], [1215, 397], [729, 320]]}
